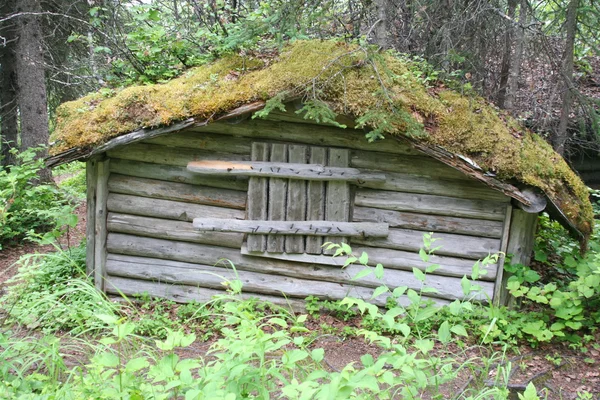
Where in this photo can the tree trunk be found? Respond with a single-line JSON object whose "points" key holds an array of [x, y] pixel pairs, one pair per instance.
{"points": [[515, 64], [382, 29], [8, 88], [506, 57], [560, 136], [31, 81]]}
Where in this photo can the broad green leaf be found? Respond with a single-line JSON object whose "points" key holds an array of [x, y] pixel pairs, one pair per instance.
{"points": [[379, 291], [459, 330], [444, 332], [419, 274]]}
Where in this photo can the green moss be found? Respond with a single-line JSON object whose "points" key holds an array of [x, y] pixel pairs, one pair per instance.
{"points": [[350, 81]]}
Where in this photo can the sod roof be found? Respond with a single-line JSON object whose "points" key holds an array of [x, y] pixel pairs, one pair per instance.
{"points": [[383, 91]]}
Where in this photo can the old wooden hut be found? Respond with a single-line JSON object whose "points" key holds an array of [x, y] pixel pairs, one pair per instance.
{"points": [[182, 177]]}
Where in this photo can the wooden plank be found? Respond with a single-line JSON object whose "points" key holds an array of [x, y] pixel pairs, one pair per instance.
{"points": [[449, 288], [452, 245], [414, 165], [431, 223], [501, 260], [277, 198], [91, 178], [295, 171], [184, 294], [296, 207], [100, 230], [213, 277], [258, 196], [204, 141], [167, 229], [521, 238], [431, 204], [175, 174], [465, 189], [294, 228], [315, 200], [167, 209], [390, 259], [178, 156], [317, 135], [177, 191], [337, 202]]}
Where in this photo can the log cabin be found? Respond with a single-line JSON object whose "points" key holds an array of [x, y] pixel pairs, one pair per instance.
{"points": [[243, 169]]}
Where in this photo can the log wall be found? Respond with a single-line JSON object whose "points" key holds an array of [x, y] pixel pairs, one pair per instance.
{"points": [[145, 241]]}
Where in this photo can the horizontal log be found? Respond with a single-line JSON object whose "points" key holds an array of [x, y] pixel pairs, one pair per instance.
{"points": [[465, 189], [213, 277], [451, 245], [309, 172], [448, 287], [429, 223], [177, 191], [168, 229], [204, 141], [310, 134], [390, 259], [308, 228], [414, 165], [167, 209], [175, 174], [184, 294], [431, 204], [179, 156]]}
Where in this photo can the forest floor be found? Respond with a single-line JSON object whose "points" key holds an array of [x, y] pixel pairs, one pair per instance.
{"points": [[557, 370]]}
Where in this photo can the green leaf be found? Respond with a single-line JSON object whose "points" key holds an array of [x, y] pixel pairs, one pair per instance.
{"points": [[279, 321], [136, 364], [379, 291], [444, 332], [399, 291], [465, 284], [364, 258], [424, 345], [362, 274], [459, 330], [379, 271], [418, 274], [317, 355]]}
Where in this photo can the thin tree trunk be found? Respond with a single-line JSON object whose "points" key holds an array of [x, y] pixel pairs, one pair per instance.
{"points": [[515, 64], [560, 137], [382, 29], [31, 81], [9, 129], [506, 57]]}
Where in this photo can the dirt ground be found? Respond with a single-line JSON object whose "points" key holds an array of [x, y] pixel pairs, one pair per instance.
{"points": [[557, 370]]}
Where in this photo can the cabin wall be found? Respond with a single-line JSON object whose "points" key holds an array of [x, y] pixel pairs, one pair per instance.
{"points": [[145, 201]]}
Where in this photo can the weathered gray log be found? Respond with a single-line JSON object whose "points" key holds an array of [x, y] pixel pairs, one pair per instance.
{"points": [[430, 204], [337, 201], [294, 228], [172, 230], [204, 141], [277, 198], [296, 207], [175, 174], [449, 288], [317, 135], [91, 178], [178, 156], [431, 223], [390, 259], [167, 209], [315, 201], [306, 172], [258, 196], [452, 245], [466, 189], [213, 277], [414, 165], [520, 245], [184, 294], [537, 200], [177, 191], [100, 223], [502, 258]]}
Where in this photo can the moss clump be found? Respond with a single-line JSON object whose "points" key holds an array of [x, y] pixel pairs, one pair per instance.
{"points": [[380, 89]]}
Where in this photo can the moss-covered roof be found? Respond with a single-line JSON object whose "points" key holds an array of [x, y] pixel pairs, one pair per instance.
{"points": [[382, 89]]}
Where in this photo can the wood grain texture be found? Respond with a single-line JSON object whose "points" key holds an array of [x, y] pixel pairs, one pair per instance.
{"points": [[294, 228], [167, 209], [430, 204], [177, 191], [172, 230], [258, 197], [296, 206], [204, 141], [337, 201], [175, 174], [448, 287], [429, 223], [277, 198], [91, 178], [100, 229], [315, 200], [463, 246], [502, 259]]}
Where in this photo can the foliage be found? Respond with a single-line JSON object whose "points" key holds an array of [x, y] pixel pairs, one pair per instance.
{"points": [[28, 207]]}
